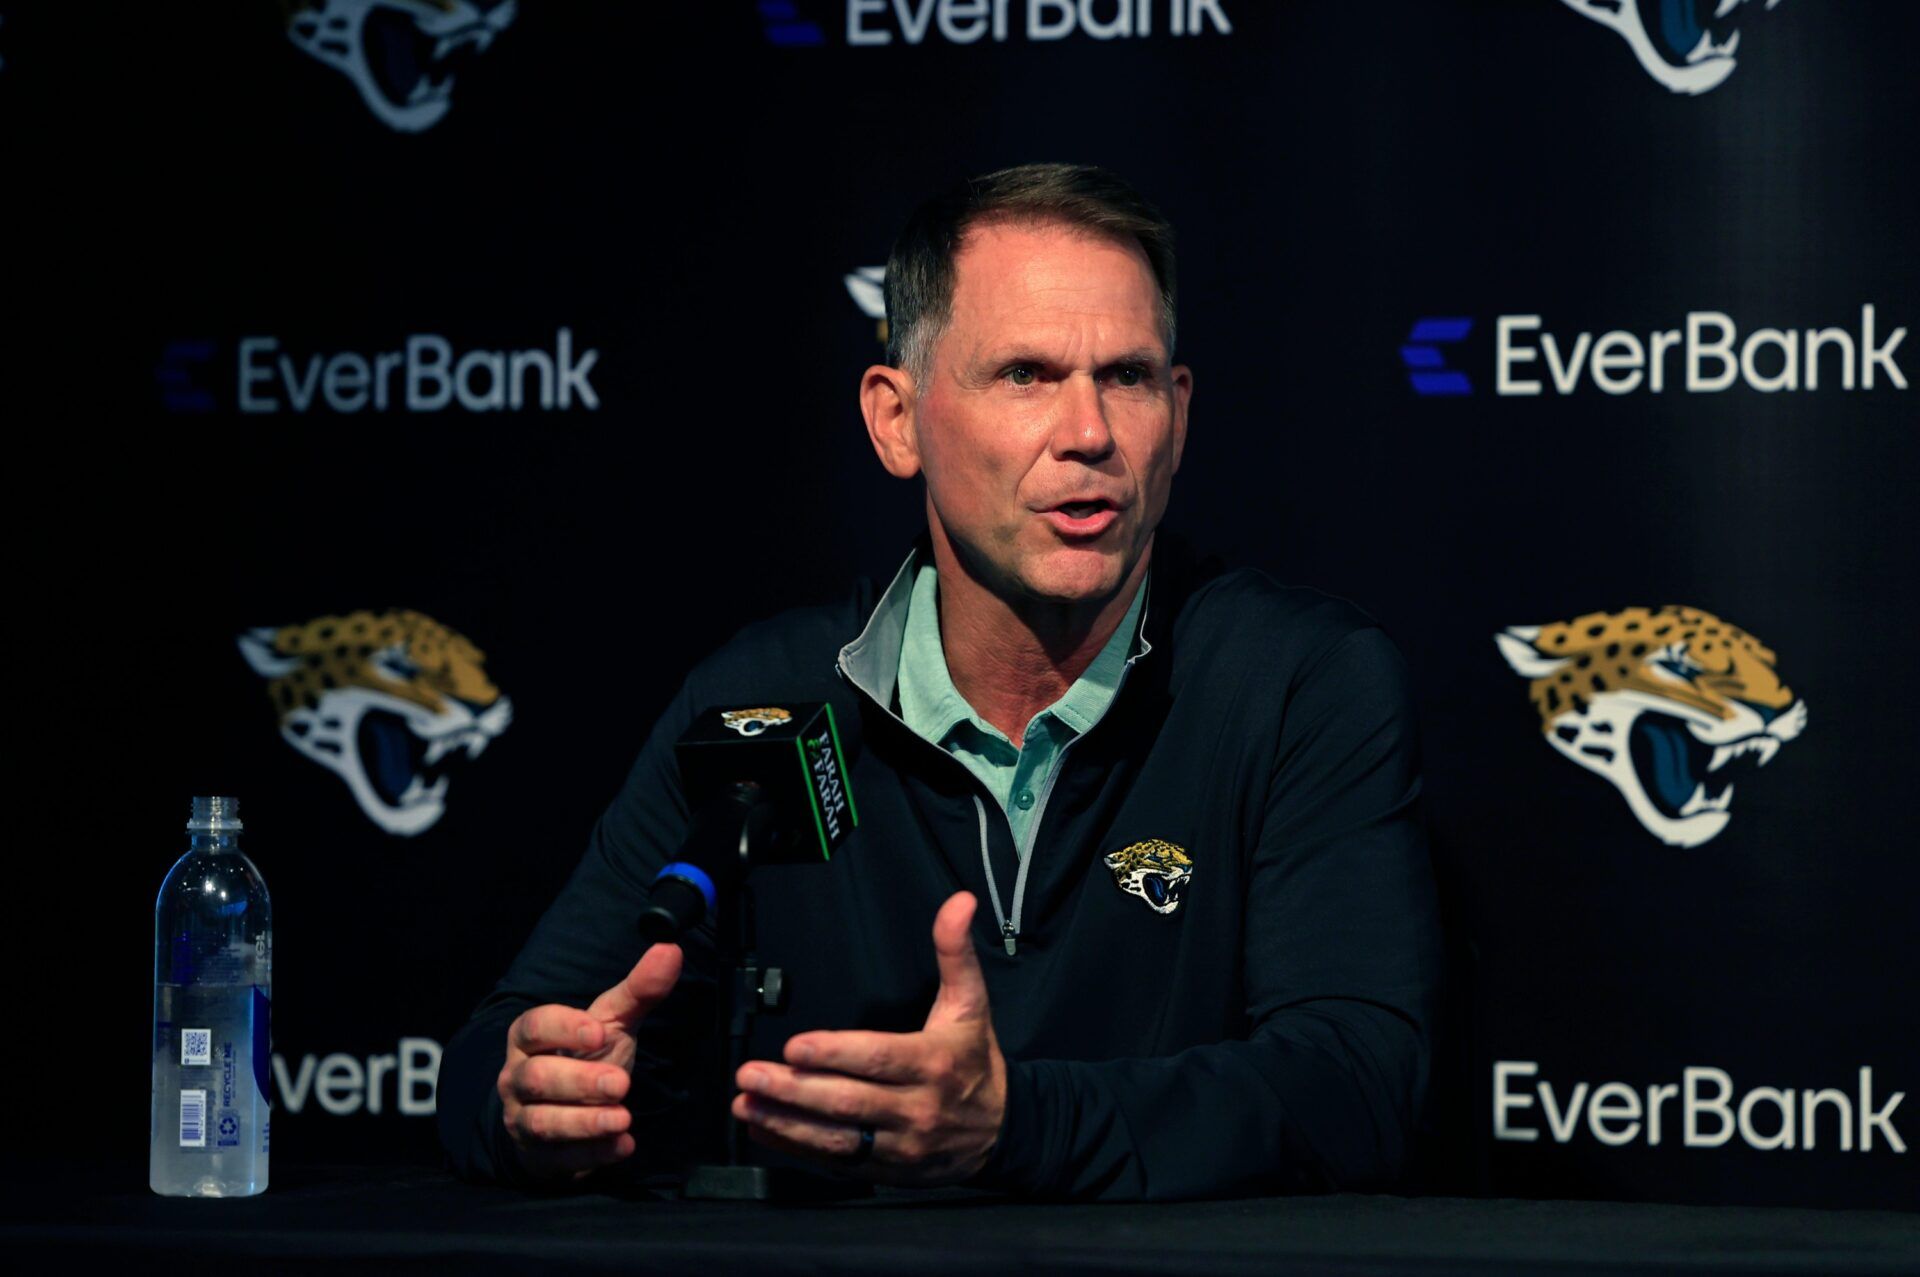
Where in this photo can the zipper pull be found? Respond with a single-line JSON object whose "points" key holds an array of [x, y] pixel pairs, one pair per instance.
{"points": [[1007, 933]]}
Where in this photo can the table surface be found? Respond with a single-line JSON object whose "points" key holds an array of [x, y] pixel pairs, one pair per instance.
{"points": [[318, 1218]]}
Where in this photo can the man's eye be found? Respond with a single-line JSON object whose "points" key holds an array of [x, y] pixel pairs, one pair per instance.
{"points": [[1131, 375], [1020, 375]]}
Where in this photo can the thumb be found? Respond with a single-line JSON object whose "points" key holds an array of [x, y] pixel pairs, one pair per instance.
{"points": [[963, 989], [651, 979]]}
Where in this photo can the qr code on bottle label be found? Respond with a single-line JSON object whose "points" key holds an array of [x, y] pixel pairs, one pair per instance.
{"points": [[196, 1046]]}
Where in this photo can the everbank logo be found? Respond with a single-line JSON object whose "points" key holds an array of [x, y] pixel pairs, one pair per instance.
{"points": [[1706, 354], [344, 1084], [1766, 1118], [423, 374], [877, 23]]}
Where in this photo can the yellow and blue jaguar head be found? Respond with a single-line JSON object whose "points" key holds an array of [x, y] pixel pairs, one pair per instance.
{"points": [[1154, 870], [751, 722], [1671, 705], [388, 701]]}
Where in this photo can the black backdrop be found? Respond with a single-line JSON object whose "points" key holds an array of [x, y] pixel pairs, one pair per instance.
{"points": [[685, 189]]}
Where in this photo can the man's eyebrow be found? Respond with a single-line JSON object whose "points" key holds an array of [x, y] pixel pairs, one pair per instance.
{"points": [[1003, 356], [1140, 355]]}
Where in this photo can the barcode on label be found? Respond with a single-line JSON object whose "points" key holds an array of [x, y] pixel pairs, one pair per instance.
{"points": [[193, 1119], [196, 1046]]}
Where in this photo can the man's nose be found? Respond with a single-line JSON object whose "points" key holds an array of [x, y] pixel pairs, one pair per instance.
{"points": [[1081, 429]]}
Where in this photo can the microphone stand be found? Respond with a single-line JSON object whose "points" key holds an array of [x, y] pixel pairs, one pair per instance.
{"points": [[747, 989]]}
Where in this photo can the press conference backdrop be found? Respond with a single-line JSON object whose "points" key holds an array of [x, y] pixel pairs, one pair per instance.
{"points": [[428, 385]]}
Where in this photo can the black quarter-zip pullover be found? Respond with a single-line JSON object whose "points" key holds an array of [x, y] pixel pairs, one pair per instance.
{"points": [[1271, 1032]]}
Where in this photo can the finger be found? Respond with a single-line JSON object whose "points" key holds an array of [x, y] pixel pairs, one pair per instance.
{"points": [[548, 1159], [553, 1124], [963, 988], [878, 1057], [555, 1028], [651, 980], [829, 1096], [795, 1131], [553, 1079]]}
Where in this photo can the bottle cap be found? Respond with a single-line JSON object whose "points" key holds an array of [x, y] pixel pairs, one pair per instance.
{"points": [[215, 816]]}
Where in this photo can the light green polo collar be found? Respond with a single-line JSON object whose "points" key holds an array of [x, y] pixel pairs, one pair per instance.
{"points": [[871, 662], [933, 706]]}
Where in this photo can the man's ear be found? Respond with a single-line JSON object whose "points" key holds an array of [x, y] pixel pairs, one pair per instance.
{"points": [[1182, 397], [886, 400]]}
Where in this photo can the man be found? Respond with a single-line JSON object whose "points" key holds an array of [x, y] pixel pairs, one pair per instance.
{"points": [[1187, 796]]}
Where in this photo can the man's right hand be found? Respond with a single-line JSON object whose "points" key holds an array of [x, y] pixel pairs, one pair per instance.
{"points": [[568, 1070]]}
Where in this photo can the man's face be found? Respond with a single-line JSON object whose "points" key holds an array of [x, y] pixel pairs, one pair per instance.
{"points": [[1051, 423]]}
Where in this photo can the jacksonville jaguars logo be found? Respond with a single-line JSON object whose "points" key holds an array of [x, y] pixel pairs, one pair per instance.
{"points": [[388, 701], [1671, 705], [400, 54], [1155, 871], [1689, 45], [751, 722]]}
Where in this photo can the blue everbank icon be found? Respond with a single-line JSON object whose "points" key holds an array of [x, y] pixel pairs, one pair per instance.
{"points": [[1426, 365], [178, 372], [783, 24]]}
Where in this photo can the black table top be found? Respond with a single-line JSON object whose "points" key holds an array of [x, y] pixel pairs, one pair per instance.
{"points": [[401, 1219]]}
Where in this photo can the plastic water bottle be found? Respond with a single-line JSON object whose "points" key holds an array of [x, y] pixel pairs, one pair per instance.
{"points": [[212, 991]]}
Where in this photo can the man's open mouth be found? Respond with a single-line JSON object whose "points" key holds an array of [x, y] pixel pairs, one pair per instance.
{"points": [[1685, 776], [1082, 520]]}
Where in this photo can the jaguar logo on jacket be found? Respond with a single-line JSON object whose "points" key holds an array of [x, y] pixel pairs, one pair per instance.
{"points": [[1154, 870]]}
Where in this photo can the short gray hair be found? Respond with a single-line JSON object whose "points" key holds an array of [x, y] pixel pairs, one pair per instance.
{"points": [[920, 269]]}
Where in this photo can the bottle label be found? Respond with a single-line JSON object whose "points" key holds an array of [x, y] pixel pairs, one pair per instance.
{"points": [[193, 1119], [229, 1123], [196, 1046]]}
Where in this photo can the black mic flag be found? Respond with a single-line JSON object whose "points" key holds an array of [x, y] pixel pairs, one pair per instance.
{"points": [[766, 785]]}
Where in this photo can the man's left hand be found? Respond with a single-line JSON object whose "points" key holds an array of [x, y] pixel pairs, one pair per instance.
{"points": [[934, 1099]]}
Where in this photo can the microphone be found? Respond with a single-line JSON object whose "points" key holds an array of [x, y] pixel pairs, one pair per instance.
{"points": [[767, 785]]}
